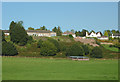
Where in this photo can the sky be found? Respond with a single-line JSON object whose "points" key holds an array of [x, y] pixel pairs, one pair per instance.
{"points": [[97, 16]]}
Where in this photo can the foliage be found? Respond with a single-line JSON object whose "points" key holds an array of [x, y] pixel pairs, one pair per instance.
{"points": [[8, 49], [86, 49], [39, 44], [75, 50], [48, 49], [82, 33], [30, 39], [18, 34], [96, 53], [57, 30], [105, 33], [70, 35], [55, 42], [3, 36], [30, 28]]}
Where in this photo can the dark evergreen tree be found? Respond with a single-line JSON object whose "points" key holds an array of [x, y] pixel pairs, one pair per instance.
{"points": [[18, 34], [3, 36], [8, 49]]}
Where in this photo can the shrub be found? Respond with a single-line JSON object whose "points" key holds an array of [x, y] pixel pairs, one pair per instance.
{"points": [[39, 44], [55, 42], [75, 50], [86, 49], [97, 42], [48, 49], [96, 52], [30, 39], [70, 35], [8, 49]]}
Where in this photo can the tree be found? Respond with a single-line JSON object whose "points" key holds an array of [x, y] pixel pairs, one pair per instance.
{"points": [[12, 26], [86, 49], [83, 33], [55, 42], [39, 44], [72, 31], [3, 36], [43, 28], [30, 28], [70, 35], [109, 32], [96, 52], [48, 49], [8, 49], [59, 32], [105, 33], [54, 29], [75, 50], [18, 34], [113, 31]]}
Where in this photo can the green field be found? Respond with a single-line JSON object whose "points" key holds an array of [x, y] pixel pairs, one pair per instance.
{"points": [[16, 68]]}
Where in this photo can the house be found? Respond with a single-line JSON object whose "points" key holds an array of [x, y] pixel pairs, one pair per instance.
{"points": [[116, 35], [93, 34], [6, 32], [46, 33], [68, 33], [103, 38]]}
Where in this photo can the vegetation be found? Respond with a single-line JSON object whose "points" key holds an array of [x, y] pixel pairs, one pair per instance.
{"points": [[110, 47], [48, 49], [86, 49], [57, 30], [96, 53], [18, 34], [75, 50], [8, 49], [20, 68], [39, 44], [3, 36]]}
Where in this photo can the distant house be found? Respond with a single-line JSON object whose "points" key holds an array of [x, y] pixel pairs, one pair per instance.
{"points": [[116, 35], [46, 33], [103, 38], [68, 33], [6, 32], [93, 34]]}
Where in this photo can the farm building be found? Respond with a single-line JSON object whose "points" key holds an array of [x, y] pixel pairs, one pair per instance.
{"points": [[46, 33]]}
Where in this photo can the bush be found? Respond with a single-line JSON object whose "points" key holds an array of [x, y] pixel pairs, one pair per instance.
{"points": [[48, 49], [39, 44], [8, 49], [86, 49], [97, 42], [96, 53], [30, 39], [75, 50], [70, 35], [55, 42]]}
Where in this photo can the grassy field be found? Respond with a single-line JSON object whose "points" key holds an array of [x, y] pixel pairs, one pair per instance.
{"points": [[15, 68]]}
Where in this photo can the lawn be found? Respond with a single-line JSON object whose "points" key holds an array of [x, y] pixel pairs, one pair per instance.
{"points": [[110, 48], [16, 68]]}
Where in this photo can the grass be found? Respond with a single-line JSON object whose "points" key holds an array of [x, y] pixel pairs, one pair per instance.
{"points": [[110, 48], [16, 68]]}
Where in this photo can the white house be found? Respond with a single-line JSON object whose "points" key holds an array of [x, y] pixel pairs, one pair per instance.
{"points": [[103, 38], [46, 33], [116, 35], [92, 34], [68, 33]]}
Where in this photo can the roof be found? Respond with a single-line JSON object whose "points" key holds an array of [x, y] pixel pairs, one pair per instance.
{"points": [[5, 31], [116, 34], [68, 32], [95, 33], [37, 31]]}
